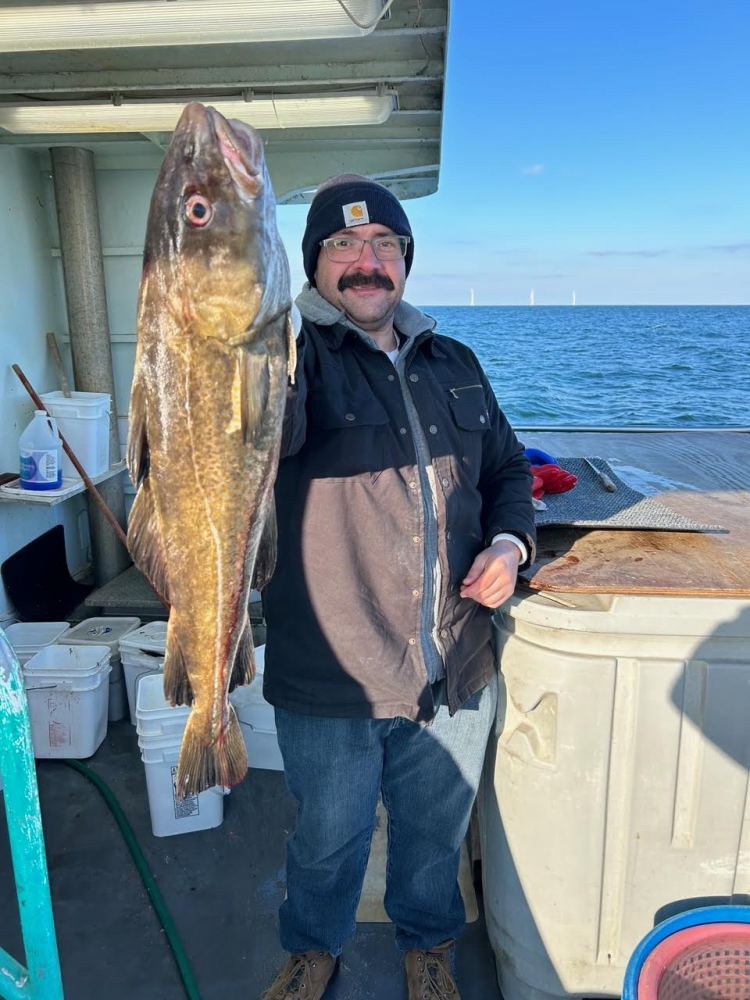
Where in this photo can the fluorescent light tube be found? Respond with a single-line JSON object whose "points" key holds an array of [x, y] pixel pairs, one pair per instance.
{"points": [[303, 111], [33, 27]]}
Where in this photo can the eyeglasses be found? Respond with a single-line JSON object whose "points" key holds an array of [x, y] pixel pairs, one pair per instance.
{"points": [[347, 249]]}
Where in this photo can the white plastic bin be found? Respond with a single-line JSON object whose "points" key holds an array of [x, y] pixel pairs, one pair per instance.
{"points": [[160, 730], [142, 652], [28, 638], [68, 692], [107, 632], [83, 420], [616, 782]]}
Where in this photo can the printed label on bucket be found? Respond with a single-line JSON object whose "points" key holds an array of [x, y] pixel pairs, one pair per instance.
{"points": [[183, 808]]}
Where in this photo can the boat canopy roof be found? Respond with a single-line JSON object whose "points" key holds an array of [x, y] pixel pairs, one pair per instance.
{"points": [[398, 65]]}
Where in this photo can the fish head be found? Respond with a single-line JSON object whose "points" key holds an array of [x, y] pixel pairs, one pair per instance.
{"points": [[212, 243]]}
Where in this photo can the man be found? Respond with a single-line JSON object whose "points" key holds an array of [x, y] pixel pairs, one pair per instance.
{"points": [[404, 509]]}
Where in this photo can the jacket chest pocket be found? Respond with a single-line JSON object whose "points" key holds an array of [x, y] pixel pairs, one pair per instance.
{"points": [[346, 438], [469, 412]]}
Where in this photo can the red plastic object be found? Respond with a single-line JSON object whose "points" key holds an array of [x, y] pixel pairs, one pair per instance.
{"points": [[537, 488], [555, 479], [706, 962]]}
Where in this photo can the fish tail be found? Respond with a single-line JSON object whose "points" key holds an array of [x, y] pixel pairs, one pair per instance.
{"points": [[201, 765]]}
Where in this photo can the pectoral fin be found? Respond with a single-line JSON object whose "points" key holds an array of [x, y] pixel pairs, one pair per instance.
{"points": [[291, 345], [255, 383], [138, 456]]}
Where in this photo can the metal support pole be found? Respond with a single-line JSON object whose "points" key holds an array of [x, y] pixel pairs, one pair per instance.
{"points": [[41, 979], [83, 272]]}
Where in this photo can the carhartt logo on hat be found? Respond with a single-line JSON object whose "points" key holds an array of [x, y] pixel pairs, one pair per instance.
{"points": [[356, 214]]}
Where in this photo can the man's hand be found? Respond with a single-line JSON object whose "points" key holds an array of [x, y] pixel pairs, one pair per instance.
{"points": [[492, 577]]}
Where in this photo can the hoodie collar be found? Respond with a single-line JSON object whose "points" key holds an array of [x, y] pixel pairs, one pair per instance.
{"points": [[408, 320]]}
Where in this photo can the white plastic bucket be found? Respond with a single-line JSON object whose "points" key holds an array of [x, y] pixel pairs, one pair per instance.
{"points": [[257, 721], [67, 690], [28, 638], [83, 419], [142, 652], [107, 631], [160, 729]]}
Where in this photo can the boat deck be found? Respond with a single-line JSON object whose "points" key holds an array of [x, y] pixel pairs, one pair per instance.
{"points": [[223, 888]]}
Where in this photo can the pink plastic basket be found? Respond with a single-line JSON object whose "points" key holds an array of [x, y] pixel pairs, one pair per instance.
{"points": [[706, 962]]}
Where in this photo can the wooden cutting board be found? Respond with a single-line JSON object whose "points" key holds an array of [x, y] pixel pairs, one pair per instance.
{"points": [[652, 562]]}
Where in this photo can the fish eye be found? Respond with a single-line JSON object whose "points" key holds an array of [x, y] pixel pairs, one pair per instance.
{"points": [[198, 210]]}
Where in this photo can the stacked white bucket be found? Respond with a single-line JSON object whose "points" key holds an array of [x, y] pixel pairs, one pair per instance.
{"points": [[160, 729], [107, 632], [83, 420], [67, 688]]}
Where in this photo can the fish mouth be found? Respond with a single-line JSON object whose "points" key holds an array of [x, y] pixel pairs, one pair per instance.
{"points": [[241, 151]]}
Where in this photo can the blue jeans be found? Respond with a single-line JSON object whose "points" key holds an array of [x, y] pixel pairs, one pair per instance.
{"points": [[428, 777]]}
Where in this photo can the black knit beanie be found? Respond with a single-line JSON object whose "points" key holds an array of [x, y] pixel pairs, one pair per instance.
{"points": [[347, 201]]}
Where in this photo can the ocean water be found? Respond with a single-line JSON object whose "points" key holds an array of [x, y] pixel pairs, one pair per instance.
{"points": [[611, 366]]}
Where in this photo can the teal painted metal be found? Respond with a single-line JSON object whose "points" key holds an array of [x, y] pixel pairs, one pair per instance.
{"points": [[40, 980]]}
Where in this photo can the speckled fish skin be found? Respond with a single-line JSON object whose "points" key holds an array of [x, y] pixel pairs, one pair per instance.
{"points": [[214, 350]]}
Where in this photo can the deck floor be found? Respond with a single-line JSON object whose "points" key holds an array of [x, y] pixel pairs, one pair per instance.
{"points": [[223, 888]]}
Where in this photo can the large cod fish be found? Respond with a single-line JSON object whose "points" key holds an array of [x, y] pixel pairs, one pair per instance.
{"points": [[215, 346]]}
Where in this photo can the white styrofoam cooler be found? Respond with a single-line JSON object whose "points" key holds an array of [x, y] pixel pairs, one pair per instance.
{"points": [[107, 631], [68, 694], [142, 652], [160, 730], [616, 782], [83, 420], [28, 638]]}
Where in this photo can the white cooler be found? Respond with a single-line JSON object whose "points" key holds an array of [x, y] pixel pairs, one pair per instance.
{"points": [[616, 782], [107, 632]]}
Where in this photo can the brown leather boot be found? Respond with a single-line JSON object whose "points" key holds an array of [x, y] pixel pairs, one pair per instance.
{"points": [[304, 977], [429, 975]]}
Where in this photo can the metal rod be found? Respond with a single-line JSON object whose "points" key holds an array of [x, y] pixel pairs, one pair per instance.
{"points": [[122, 537], [54, 350]]}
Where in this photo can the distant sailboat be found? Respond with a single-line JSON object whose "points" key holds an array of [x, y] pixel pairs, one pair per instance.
{"points": [[573, 299], [532, 301], [471, 297]]}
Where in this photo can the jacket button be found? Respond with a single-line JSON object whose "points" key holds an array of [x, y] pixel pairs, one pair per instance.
{"points": [[350, 416], [482, 420], [415, 593], [414, 378], [444, 633], [433, 429], [412, 486], [412, 641], [391, 378], [402, 430], [416, 539], [445, 482]]}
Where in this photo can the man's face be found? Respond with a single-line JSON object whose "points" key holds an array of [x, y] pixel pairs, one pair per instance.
{"points": [[368, 290]]}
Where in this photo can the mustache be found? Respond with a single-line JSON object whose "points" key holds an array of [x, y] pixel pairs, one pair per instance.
{"points": [[375, 280]]}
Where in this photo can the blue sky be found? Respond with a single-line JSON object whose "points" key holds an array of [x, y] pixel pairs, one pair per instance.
{"points": [[597, 147]]}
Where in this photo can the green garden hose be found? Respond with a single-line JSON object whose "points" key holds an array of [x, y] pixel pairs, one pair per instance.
{"points": [[149, 882]]}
